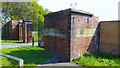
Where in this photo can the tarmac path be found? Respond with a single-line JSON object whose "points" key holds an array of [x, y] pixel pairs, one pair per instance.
{"points": [[18, 45]]}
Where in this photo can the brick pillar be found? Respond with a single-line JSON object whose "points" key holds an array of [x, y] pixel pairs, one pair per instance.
{"points": [[20, 30], [29, 31], [24, 32]]}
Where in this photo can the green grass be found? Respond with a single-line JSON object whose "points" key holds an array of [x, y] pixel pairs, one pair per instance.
{"points": [[5, 42], [32, 56], [6, 61], [98, 59]]}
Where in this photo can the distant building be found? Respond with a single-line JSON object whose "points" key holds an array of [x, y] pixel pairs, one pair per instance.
{"points": [[17, 30], [71, 32]]}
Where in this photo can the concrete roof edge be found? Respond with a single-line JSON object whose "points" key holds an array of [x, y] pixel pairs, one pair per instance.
{"points": [[81, 11], [72, 10], [111, 21]]}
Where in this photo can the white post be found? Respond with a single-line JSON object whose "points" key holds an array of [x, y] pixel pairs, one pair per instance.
{"points": [[21, 62]]}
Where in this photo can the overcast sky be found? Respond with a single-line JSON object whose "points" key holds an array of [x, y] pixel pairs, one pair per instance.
{"points": [[104, 9]]}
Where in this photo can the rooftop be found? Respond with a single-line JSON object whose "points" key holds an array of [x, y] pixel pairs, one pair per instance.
{"points": [[110, 21], [80, 11], [74, 10]]}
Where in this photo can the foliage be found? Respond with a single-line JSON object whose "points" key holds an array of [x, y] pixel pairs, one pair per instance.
{"points": [[24, 11], [98, 59], [5, 32], [32, 56], [47, 11]]}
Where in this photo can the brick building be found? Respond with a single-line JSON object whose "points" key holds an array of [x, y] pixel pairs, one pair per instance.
{"points": [[109, 37], [71, 32], [17, 30]]}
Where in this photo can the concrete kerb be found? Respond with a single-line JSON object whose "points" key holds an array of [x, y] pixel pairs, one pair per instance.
{"points": [[20, 61]]}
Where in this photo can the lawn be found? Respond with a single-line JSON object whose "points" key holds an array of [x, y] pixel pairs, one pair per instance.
{"points": [[32, 56], [6, 61], [6, 42], [98, 59]]}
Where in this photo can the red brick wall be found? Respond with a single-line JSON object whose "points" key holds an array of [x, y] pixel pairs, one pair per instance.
{"points": [[58, 45], [83, 43], [27, 32], [13, 30], [109, 37]]}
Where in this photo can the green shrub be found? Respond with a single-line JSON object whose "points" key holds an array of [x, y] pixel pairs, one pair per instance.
{"points": [[98, 59]]}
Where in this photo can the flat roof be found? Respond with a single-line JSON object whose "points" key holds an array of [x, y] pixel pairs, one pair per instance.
{"points": [[81, 11], [73, 10], [111, 21]]}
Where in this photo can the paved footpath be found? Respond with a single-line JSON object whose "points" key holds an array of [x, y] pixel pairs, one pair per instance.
{"points": [[18, 45], [58, 63]]}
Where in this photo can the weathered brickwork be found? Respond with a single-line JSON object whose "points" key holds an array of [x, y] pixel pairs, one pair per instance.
{"points": [[70, 33], [13, 29], [88, 40], [58, 45], [27, 31]]}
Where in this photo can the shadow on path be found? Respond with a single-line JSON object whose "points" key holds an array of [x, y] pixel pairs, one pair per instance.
{"points": [[58, 63]]}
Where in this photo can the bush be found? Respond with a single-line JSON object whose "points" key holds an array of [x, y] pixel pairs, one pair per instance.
{"points": [[98, 59]]}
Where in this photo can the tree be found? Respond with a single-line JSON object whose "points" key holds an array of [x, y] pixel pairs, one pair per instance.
{"points": [[47, 11], [25, 11]]}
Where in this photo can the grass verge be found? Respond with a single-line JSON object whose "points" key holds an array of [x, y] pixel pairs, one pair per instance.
{"points": [[6, 42], [6, 61], [98, 59], [32, 56]]}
